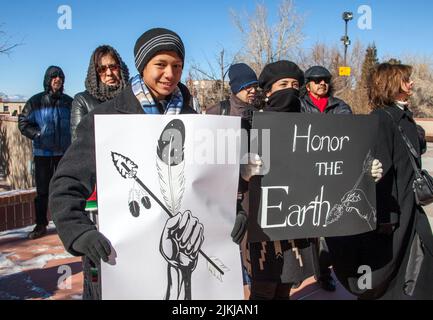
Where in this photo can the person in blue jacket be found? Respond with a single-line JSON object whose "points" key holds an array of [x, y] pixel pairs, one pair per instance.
{"points": [[46, 121]]}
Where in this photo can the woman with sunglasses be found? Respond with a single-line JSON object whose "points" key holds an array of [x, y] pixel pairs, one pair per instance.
{"points": [[317, 93], [107, 76]]}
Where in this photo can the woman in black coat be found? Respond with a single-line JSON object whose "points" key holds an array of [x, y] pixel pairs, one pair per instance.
{"points": [[107, 76], [278, 266], [400, 252]]}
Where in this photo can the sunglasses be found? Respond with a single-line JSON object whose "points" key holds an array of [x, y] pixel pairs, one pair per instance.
{"points": [[56, 74], [250, 88], [112, 67], [319, 80]]}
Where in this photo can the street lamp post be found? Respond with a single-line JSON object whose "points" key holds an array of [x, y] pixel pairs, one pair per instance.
{"points": [[347, 16]]}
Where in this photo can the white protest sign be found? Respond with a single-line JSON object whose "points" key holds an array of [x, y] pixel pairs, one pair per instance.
{"points": [[167, 203]]}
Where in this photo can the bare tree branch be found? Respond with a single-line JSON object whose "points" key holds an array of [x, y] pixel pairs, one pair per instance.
{"points": [[264, 43], [6, 47]]}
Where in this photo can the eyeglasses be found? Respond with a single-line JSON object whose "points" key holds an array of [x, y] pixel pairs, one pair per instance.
{"points": [[112, 67], [319, 80]]}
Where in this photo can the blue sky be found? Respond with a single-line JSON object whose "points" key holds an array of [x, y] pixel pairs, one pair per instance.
{"points": [[398, 28]]}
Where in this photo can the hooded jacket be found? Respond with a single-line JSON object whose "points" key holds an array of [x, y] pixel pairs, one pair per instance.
{"points": [[96, 92], [45, 118]]}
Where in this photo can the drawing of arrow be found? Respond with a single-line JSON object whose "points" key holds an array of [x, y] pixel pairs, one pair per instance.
{"points": [[128, 170]]}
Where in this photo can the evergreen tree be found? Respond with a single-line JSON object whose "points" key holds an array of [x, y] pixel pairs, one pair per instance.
{"points": [[370, 61], [394, 61]]}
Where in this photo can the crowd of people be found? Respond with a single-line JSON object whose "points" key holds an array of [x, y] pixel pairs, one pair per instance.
{"points": [[399, 251]]}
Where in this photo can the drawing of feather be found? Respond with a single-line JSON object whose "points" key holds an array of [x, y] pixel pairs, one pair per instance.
{"points": [[134, 206], [170, 164], [137, 196]]}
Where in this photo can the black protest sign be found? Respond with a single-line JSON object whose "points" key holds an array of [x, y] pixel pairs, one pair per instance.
{"points": [[318, 181]]}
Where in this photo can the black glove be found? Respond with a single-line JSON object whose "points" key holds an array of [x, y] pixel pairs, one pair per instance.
{"points": [[93, 245], [240, 227]]}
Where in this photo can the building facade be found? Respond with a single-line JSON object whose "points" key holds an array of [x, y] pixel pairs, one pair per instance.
{"points": [[11, 107]]}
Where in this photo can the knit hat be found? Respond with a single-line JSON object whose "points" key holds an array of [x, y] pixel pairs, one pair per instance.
{"points": [[241, 76], [153, 41], [279, 70]]}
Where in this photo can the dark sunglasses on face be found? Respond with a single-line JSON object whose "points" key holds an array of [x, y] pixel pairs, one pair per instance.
{"points": [[319, 80], [112, 67], [250, 88], [56, 74]]}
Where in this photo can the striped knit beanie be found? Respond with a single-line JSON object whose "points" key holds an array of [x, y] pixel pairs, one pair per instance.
{"points": [[156, 40]]}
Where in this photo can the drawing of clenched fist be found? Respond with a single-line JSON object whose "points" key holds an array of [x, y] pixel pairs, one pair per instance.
{"points": [[181, 240]]}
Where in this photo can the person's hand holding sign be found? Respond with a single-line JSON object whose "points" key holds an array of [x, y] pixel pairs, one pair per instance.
{"points": [[376, 170], [253, 167]]}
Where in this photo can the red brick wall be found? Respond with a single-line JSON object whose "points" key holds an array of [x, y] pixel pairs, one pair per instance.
{"points": [[17, 209]]}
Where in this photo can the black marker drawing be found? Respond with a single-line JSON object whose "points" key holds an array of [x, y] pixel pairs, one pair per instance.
{"points": [[137, 196], [183, 234], [355, 199]]}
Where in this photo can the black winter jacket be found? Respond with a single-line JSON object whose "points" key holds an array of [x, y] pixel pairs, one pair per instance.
{"points": [[335, 106], [75, 177], [46, 116], [83, 103], [397, 216], [45, 120]]}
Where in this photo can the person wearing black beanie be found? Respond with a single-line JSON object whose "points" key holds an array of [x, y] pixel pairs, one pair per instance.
{"points": [[156, 40], [159, 57], [276, 71], [278, 269], [280, 82]]}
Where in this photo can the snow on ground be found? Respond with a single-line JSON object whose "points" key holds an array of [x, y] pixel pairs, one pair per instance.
{"points": [[8, 267], [23, 232], [10, 263]]}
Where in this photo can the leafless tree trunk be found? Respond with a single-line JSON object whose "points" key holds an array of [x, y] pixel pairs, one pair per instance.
{"points": [[215, 87], [422, 75], [264, 43]]}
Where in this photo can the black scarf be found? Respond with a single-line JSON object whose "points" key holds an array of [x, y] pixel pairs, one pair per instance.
{"points": [[286, 100]]}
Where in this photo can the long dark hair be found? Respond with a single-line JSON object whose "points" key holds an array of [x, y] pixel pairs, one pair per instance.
{"points": [[102, 51], [93, 84]]}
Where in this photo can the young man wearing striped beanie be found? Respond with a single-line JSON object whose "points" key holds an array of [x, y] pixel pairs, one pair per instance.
{"points": [[159, 57]]}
